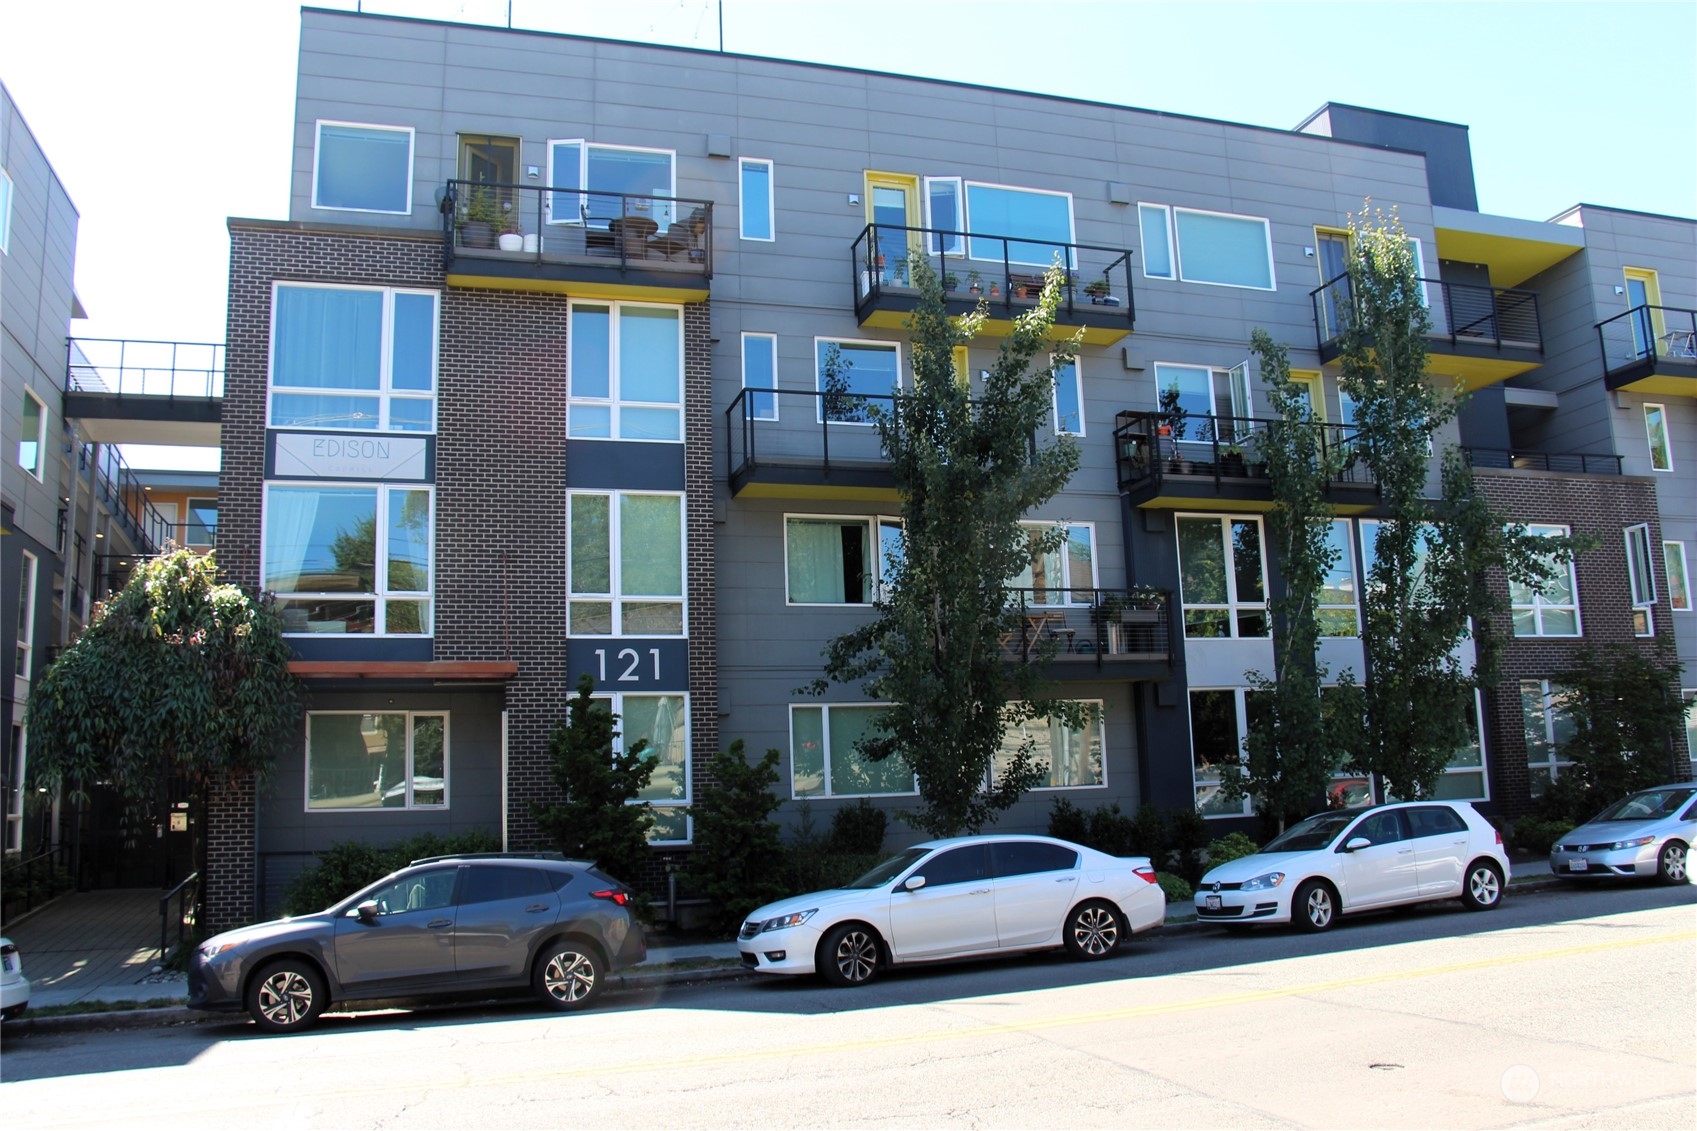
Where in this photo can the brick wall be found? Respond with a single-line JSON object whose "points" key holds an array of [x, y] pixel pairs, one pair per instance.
{"points": [[227, 887]]}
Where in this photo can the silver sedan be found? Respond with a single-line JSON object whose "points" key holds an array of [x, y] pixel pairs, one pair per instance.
{"points": [[1647, 834]]}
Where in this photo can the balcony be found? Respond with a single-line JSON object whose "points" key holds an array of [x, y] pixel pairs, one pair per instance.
{"points": [[111, 483], [588, 244], [1095, 633], [1483, 334], [1556, 463], [145, 392], [1005, 272], [1652, 350], [1215, 463], [805, 445]]}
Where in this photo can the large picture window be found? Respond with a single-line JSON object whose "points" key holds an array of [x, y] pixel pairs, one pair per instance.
{"points": [[355, 358], [1062, 576], [1226, 250], [348, 559], [1219, 722], [1213, 402], [386, 760], [663, 722], [1036, 226], [838, 559], [861, 369], [626, 372], [626, 564], [1071, 758], [609, 181], [1221, 577], [1548, 728], [825, 763], [362, 168], [1554, 611]]}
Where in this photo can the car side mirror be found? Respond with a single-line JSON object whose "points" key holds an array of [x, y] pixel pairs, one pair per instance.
{"points": [[367, 911], [913, 883], [1357, 843]]}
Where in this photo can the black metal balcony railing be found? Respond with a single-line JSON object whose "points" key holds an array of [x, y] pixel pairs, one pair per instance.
{"points": [[112, 481], [1151, 449], [1091, 625], [134, 368], [1462, 314], [1649, 339], [567, 226], [1566, 463], [1006, 271]]}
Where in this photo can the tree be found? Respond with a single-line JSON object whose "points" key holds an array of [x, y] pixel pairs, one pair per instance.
{"points": [[967, 470], [599, 818], [738, 859]]}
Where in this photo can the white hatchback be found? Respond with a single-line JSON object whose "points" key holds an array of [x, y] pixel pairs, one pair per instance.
{"points": [[14, 987], [1358, 859], [958, 898]]}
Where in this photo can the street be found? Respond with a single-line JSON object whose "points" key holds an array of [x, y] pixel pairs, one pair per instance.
{"points": [[1567, 1008]]}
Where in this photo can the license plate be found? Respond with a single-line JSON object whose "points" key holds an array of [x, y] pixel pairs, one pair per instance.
{"points": [[1211, 902], [1579, 865]]}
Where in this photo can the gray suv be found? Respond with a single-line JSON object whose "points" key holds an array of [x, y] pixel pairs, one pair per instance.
{"points": [[455, 926]]}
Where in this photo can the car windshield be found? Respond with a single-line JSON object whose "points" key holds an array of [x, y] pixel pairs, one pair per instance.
{"points": [[889, 869], [1316, 832], [1647, 806]]}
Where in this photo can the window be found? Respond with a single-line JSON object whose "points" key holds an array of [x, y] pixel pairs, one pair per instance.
{"points": [[358, 358], [201, 528], [388, 760], [626, 372], [348, 559], [32, 434], [825, 763], [494, 883], [1690, 724], [1463, 778], [1337, 610], [1036, 225], [1212, 401], [1641, 573], [1221, 579], [25, 655], [5, 213], [359, 168], [1656, 428], [626, 564], [663, 721], [1644, 299], [1062, 576], [1226, 250], [17, 761], [760, 371], [943, 215], [1555, 611], [756, 209], [1548, 727], [1155, 221], [849, 370], [1070, 758], [619, 179], [1679, 577], [1069, 400], [430, 890], [831, 560], [1219, 722]]}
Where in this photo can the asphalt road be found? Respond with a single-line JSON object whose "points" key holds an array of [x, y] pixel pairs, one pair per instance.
{"points": [[1562, 1008]]}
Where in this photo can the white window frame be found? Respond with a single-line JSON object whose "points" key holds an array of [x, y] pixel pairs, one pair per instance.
{"points": [[1178, 249], [754, 411], [409, 807], [617, 699], [617, 596], [1077, 365], [955, 244], [18, 753], [1549, 693], [1233, 606], [39, 471], [743, 164], [1679, 580], [412, 163], [1067, 253], [1539, 603], [825, 710], [818, 373], [585, 192], [385, 393], [1241, 398], [5, 212], [1240, 705], [613, 402], [1099, 716], [877, 523], [29, 569], [189, 522], [1641, 578], [1145, 212], [1654, 422], [1348, 558], [1483, 768], [1039, 528]]}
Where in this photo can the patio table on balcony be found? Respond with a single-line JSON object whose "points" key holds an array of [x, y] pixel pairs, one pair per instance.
{"points": [[632, 233]]}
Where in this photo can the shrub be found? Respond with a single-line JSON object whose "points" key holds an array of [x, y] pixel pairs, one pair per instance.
{"points": [[737, 857], [815, 867], [1189, 836], [858, 830], [1536, 834], [1149, 835], [1111, 831], [1176, 888], [1232, 846], [349, 865], [1068, 822]]}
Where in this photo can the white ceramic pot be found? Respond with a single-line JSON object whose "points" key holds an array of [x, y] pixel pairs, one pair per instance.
{"points": [[532, 243], [512, 241]]}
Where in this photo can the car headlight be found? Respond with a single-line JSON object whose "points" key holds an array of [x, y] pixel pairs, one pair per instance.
{"points": [[784, 922], [1635, 842], [211, 950], [1264, 881]]}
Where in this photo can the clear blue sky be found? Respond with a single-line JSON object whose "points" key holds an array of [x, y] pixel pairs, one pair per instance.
{"points": [[163, 117]]}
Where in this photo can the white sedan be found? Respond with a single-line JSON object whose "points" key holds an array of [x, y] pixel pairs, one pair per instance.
{"points": [[958, 898], [14, 987], [1355, 860]]}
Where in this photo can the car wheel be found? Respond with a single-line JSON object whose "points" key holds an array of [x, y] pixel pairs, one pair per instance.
{"points": [[848, 956], [568, 975], [1673, 865], [286, 996], [1483, 888], [1315, 906], [1093, 930]]}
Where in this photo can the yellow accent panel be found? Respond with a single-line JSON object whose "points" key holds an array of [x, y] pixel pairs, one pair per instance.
{"points": [[1003, 328], [1475, 372], [758, 490], [577, 288], [1664, 385], [1512, 260]]}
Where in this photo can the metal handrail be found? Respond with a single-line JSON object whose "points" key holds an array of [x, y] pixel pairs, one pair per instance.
{"points": [[180, 893], [1151, 445], [139, 367], [1515, 459], [1648, 332], [1098, 623], [127, 497], [1461, 312]]}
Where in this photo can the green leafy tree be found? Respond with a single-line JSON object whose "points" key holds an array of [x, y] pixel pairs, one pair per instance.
{"points": [[598, 817], [738, 860], [967, 470]]}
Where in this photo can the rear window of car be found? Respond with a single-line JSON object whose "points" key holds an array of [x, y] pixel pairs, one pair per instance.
{"points": [[1019, 858], [492, 883]]}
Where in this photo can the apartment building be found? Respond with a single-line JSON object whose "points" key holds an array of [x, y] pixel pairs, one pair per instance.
{"points": [[529, 386]]}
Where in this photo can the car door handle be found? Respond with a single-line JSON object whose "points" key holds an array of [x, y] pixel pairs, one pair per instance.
{"points": [[1404, 851], [438, 924], [535, 907], [980, 891]]}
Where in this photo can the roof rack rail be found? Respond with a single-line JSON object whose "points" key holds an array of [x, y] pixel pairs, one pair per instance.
{"points": [[489, 856]]}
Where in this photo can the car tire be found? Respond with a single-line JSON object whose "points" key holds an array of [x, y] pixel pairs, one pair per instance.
{"points": [[1482, 889], [1315, 906], [1094, 929], [568, 975], [286, 996], [1673, 863], [848, 955]]}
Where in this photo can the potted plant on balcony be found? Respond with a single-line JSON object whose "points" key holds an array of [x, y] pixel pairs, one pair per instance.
{"points": [[1173, 415], [1231, 463], [974, 283], [1097, 289], [951, 282], [478, 218], [512, 233]]}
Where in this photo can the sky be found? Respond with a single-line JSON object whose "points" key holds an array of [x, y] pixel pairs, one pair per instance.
{"points": [[164, 117]]}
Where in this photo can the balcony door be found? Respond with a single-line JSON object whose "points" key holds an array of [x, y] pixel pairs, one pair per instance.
{"points": [[892, 203], [1332, 253], [1644, 298]]}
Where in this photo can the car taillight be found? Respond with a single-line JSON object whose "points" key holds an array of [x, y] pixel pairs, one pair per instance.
{"points": [[618, 896], [1499, 833], [1148, 875]]}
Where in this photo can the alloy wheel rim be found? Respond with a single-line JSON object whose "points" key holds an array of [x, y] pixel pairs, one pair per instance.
{"points": [[1319, 907], [1484, 884], [570, 976], [285, 998], [856, 956], [1096, 931], [1675, 859]]}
